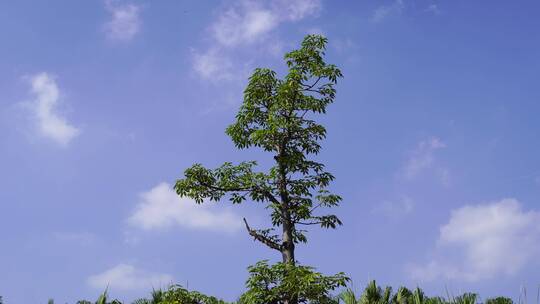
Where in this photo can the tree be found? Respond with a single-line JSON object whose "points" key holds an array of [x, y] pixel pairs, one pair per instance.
{"points": [[276, 116]]}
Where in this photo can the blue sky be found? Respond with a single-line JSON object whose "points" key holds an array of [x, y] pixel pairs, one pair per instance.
{"points": [[433, 140]]}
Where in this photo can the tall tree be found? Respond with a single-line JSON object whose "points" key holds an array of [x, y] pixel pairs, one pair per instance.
{"points": [[276, 116]]}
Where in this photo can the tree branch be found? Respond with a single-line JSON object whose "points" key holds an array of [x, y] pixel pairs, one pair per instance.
{"points": [[313, 91], [311, 86], [268, 194], [314, 208], [224, 189], [268, 242], [271, 197], [308, 223]]}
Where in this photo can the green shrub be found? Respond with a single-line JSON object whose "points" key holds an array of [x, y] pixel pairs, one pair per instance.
{"points": [[176, 294], [280, 282], [499, 300], [466, 298]]}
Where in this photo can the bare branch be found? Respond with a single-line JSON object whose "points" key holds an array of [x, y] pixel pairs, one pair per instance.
{"points": [[314, 208], [268, 242], [311, 86], [308, 223], [268, 194], [271, 197], [311, 90]]}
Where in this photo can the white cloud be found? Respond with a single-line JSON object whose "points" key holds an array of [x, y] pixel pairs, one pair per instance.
{"points": [[494, 239], [387, 10], [247, 23], [422, 158], [162, 208], [244, 25], [127, 277], [44, 107], [125, 21]]}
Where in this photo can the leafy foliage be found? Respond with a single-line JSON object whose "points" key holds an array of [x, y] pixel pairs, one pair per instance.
{"points": [[402, 296], [374, 294], [377, 295], [281, 282], [176, 294], [466, 298], [276, 283], [499, 300], [348, 297]]}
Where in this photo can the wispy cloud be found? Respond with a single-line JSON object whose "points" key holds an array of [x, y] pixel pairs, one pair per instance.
{"points": [[343, 45], [433, 8], [161, 208], [128, 277], [420, 161], [494, 239], [125, 21], [396, 208], [384, 11], [44, 106], [247, 23], [423, 158], [211, 65], [297, 10]]}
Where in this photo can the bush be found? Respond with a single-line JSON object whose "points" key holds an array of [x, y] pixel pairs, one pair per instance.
{"points": [[176, 294], [499, 300], [277, 283]]}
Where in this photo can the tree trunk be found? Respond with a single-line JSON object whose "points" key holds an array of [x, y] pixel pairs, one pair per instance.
{"points": [[287, 250]]}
